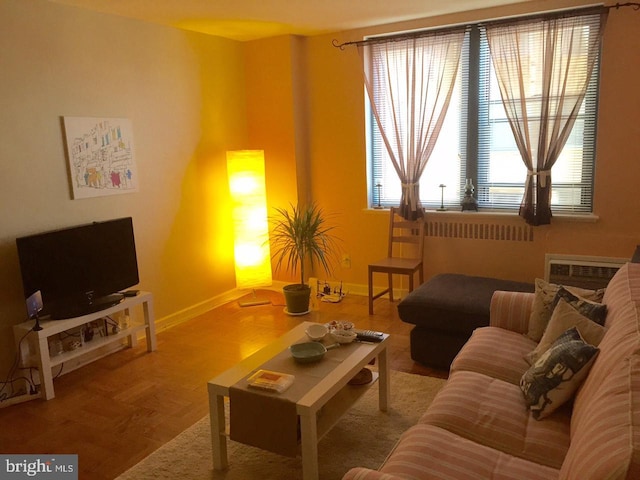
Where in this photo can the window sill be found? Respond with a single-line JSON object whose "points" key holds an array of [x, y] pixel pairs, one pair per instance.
{"points": [[557, 217]]}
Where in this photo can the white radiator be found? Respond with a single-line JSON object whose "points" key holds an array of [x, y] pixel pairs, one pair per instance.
{"points": [[478, 231], [581, 271]]}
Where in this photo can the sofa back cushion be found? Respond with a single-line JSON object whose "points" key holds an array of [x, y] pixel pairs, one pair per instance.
{"points": [[605, 443], [622, 336], [605, 425]]}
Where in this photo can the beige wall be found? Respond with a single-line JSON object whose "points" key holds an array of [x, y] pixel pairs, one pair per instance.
{"points": [[184, 94], [271, 113], [277, 113]]}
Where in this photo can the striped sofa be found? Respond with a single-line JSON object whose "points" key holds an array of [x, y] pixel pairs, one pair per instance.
{"points": [[478, 426]]}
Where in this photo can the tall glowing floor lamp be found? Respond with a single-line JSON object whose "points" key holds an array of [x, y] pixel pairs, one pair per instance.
{"points": [[245, 169]]}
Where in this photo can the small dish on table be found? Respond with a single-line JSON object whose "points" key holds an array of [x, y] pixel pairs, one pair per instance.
{"points": [[343, 336], [339, 325]]}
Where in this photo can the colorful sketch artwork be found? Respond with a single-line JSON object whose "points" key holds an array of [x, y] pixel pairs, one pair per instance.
{"points": [[101, 157]]}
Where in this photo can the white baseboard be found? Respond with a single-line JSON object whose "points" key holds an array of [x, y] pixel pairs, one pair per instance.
{"points": [[198, 309]]}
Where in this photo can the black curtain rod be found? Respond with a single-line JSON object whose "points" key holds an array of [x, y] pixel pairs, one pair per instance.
{"points": [[636, 6], [399, 37], [424, 33]]}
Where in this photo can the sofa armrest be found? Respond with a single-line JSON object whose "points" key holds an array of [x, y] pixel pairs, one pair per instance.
{"points": [[511, 310], [361, 473]]}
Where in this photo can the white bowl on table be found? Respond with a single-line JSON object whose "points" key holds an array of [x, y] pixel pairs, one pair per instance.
{"points": [[316, 332]]}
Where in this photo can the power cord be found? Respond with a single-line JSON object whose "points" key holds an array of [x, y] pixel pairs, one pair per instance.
{"points": [[60, 372], [7, 384], [66, 334], [7, 391], [109, 321]]}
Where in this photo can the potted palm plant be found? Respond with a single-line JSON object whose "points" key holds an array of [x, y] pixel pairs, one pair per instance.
{"points": [[301, 238]]}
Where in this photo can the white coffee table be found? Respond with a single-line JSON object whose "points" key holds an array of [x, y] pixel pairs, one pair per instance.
{"points": [[332, 394]]}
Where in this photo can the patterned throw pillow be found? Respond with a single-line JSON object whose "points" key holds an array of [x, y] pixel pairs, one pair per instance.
{"points": [[592, 310], [557, 374], [564, 317], [544, 303]]}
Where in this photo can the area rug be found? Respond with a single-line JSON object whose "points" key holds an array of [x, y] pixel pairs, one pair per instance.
{"points": [[364, 437]]}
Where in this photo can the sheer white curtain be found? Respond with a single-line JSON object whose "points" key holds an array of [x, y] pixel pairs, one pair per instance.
{"points": [[543, 69], [410, 83]]}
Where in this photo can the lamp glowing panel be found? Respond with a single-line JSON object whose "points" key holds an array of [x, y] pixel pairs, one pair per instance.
{"points": [[245, 169]]}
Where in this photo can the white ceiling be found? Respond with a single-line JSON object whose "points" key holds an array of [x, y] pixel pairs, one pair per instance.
{"points": [[252, 19]]}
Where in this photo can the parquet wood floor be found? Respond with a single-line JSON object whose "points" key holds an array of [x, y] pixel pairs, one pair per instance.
{"points": [[119, 409]]}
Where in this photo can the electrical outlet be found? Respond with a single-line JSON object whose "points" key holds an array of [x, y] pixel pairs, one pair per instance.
{"points": [[346, 260]]}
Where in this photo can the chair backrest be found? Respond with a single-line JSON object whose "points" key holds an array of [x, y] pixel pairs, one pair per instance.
{"points": [[406, 237]]}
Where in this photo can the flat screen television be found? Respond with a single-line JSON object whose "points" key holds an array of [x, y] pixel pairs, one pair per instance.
{"points": [[81, 269]]}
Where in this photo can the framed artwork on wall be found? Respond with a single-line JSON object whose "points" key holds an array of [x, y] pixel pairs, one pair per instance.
{"points": [[101, 156]]}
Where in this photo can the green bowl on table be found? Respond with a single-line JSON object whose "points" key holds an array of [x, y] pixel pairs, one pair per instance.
{"points": [[309, 352]]}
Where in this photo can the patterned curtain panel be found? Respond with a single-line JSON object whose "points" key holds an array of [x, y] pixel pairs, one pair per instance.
{"points": [[410, 83], [543, 68]]}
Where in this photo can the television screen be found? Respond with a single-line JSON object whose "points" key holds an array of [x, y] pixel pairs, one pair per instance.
{"points": [[81, 269]]}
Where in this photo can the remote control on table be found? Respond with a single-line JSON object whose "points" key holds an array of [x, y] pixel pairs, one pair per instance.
{"points": [[369, 336]]}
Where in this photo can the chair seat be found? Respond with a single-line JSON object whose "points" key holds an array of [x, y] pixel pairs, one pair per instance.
{"points": [[397, 263]]}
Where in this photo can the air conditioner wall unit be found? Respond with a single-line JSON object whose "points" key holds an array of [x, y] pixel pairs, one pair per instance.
{"points": [[580, 270]]}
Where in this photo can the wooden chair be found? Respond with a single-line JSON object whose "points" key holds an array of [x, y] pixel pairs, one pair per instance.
{"points": [[403, 235]]}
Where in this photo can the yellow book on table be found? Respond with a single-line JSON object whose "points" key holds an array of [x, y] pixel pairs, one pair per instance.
{"points": [[269, 380]]}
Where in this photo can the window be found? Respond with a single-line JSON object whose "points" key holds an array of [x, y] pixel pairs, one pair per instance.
{"points": [[477, 142]]}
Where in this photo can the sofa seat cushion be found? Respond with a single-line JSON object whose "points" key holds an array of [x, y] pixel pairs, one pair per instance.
{"points": [[493, 413], [452, 302], [428, 452], [495, 352]]}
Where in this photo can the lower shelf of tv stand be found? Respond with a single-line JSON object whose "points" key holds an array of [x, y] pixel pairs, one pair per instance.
{"points": [[95, 344], [41, 357]]}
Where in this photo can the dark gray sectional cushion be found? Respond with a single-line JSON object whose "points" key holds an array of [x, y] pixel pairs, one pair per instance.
{"points": [[453, 302]]}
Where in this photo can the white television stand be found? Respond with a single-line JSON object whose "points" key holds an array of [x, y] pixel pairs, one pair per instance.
{"points": [[39, 340]]}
